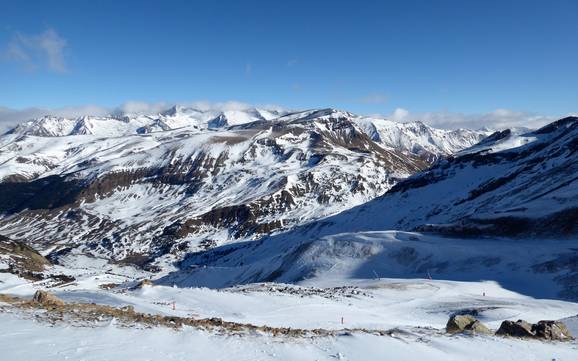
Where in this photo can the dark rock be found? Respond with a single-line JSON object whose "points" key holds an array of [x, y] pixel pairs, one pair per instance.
{"points": [[518, 328], [545, 330]]}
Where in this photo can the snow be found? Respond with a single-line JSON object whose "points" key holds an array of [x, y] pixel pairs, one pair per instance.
{"points": [[516, 265], [115, 125], [113, 343], [386, 276], [417, 308], [516, 139]]}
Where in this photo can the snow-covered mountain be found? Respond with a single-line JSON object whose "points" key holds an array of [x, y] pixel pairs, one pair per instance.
{"points": [[127, 124], [136, 187], [414, 137], [418, 138]]}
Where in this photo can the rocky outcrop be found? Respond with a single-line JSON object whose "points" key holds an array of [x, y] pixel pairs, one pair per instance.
{"points": [[47, 299], [466, 324], [22, 259], [545, 330], [552, 330]]}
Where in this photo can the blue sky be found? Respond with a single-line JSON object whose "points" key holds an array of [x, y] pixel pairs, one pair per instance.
{"points": [[466, 57]]}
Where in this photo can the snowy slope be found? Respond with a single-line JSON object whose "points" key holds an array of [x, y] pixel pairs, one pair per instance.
{"points": [[413, 311], [112, 342], [510, 184], [538, 268]]}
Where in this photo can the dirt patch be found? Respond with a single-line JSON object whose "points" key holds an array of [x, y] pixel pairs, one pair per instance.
{"points": [[90, 314]]}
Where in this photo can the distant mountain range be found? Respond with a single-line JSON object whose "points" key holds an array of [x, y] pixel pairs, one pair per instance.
{"points": [[137, 188]]}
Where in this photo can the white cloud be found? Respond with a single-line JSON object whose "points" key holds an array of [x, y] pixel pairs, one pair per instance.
{"points": [[497, 119], [35, 51], [230, 105], [400, 115], [138, 107]]}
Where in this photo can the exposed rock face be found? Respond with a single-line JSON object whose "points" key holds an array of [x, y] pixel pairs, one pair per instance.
{"points": [[47, 299], [22, 259], [546, 330], [466, 324]]}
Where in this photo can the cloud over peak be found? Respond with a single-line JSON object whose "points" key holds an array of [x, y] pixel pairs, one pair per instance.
{"points": [[497, 119]]}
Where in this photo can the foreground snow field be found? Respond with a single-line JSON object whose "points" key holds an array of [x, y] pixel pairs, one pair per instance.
{"points": [[416, 309], [110, 342]]}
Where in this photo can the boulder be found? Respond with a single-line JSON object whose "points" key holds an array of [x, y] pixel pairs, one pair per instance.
{"points": [[466, 324], [518, 328], [46, 298], [545, 330], [552, 330], [477, 328]]}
